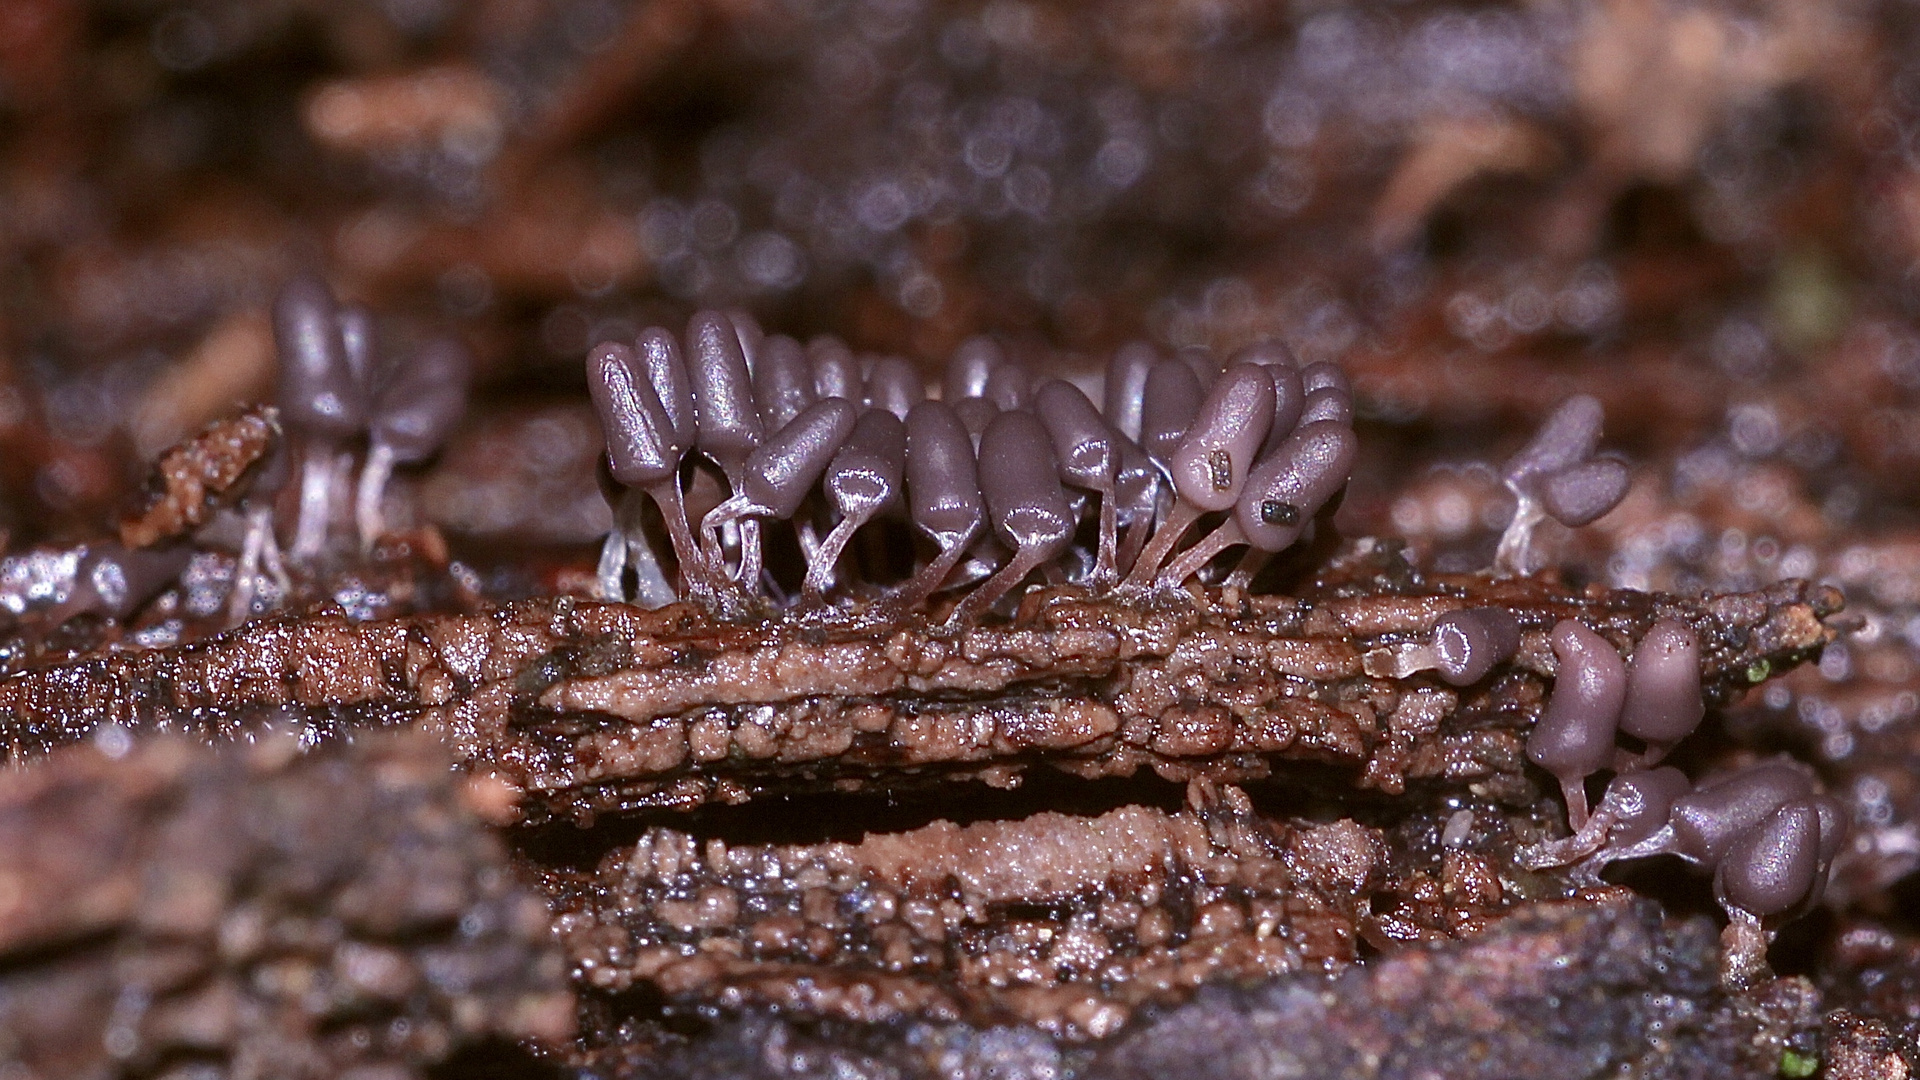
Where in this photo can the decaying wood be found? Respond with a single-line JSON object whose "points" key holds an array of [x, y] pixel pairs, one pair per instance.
{"points": [[1067, 922], [583, 707]]}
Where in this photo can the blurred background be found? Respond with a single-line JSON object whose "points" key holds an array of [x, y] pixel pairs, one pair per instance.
{"points": [[1706, 214]]}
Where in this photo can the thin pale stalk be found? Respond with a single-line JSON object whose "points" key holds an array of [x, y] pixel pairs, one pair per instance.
{"points": [[1656, 752], [368, 513], [1514, 554], [1251, 563], [651, 588], [820, 564], [1576, 796], [1171, 530], [696, 574], [245, 573], [1105, 570], [928, 580], [752, 558], [989, 592], [1192, 560], [1570, 849], [316, 501], [1132, 540], [612, 567]]}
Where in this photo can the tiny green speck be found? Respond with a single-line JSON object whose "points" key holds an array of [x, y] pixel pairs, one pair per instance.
{"points": [[1758, 671], [1797, 1065]]}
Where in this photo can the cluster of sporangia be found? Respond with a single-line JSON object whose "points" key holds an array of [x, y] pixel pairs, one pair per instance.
{"points": [[337, 390], [1002, 476], [1764, 832], [1263, 446], [821, 438], [1001, 473]]}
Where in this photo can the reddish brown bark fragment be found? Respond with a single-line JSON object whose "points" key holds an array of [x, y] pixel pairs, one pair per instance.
{"points": [[191, 479]]}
